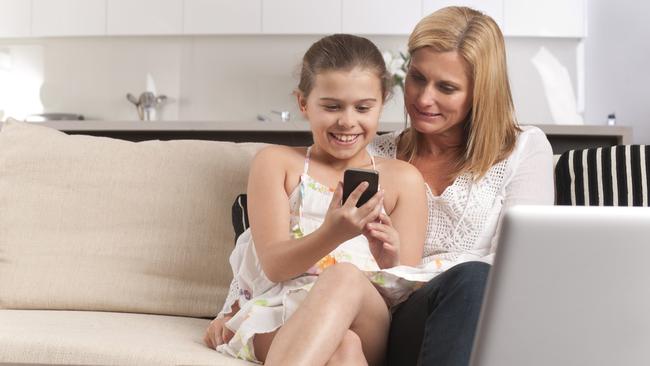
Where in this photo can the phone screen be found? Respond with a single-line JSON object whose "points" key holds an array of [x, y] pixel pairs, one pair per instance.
{"points": [[353, 177]]}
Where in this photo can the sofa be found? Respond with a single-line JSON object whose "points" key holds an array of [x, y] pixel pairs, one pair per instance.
{"points": [[114, 252]]}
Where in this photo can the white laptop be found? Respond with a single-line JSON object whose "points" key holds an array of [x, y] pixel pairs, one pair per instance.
{"points": [[569, 286]]}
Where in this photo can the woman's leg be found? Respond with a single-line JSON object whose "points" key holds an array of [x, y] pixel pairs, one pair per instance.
{"points": [[342, 299], [436, 325]]}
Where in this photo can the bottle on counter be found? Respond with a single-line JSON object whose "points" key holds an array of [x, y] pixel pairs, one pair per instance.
{"points": [[611, 119]]}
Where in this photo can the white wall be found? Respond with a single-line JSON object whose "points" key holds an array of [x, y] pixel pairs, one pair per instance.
{"points": [[222, 78], [617, 60]]}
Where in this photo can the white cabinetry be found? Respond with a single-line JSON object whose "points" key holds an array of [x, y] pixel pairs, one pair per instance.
{"points": [[68, 17], [493, 8], [15, 18], [61, 18], [380, 16], [549, 18], [222, 17], [144, 17], [301, 16]]}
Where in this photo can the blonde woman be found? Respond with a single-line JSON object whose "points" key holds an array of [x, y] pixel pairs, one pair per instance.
{"points": [[476, 161]]}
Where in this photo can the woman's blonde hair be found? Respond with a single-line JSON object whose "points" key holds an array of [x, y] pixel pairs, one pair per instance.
{"points": [[491, 128]]}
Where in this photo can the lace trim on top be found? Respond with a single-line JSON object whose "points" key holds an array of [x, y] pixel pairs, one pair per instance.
{"points": [[458, 216]]}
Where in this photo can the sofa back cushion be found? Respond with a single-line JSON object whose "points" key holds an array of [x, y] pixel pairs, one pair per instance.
{"points": [[604, 176], [93, 223]]}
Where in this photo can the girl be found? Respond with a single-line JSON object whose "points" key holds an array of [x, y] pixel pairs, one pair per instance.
{"points": [[303, 236]]}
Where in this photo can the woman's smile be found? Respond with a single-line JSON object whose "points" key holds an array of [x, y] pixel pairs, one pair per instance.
{"points": [[427, 115]]}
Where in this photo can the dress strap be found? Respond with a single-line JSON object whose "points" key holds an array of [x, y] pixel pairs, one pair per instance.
{"points": [[372, 159], [307, 156]]}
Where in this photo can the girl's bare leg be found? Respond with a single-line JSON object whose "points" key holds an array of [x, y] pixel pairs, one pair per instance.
{"points": [[341, 300], [349, 352]]}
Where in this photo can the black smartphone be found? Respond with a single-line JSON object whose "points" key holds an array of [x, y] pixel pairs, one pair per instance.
{"points": [[353, 177]]}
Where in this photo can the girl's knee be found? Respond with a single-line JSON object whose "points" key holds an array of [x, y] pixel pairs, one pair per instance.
{"points": [[342, 273]]}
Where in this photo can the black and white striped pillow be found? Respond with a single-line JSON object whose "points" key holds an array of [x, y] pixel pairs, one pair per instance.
{"points": [[603, 176], [239, 215]]}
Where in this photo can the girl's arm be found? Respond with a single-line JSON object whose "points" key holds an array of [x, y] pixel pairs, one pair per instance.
{"points": [[399, 238], [281, 256]]}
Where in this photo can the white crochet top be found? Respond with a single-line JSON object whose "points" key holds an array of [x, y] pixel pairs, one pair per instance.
{"points": [[464, 220]]}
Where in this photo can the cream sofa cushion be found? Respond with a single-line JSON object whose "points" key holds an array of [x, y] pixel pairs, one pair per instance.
{"points": [[102, 338], [93, 223]]}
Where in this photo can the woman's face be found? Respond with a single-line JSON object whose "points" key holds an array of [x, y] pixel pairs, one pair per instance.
{"points": [[438, 92], [343, 109]]}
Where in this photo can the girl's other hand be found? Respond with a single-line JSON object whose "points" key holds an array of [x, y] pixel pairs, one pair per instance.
{"points": [[217, 333], [384, 242], [345, 221]]}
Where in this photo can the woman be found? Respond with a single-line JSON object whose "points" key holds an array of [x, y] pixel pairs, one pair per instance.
{"points": [[476, 161]]}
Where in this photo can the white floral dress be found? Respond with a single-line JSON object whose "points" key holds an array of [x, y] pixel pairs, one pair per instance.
{"points": [[265, 305]]}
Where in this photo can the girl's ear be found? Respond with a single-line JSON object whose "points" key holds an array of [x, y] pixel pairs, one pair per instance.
{"points": [[302, 103]]}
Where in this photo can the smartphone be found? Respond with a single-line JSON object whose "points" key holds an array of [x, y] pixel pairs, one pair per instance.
{"points": [[353, 177]]}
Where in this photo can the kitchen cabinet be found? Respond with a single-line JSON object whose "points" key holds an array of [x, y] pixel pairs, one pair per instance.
{"points": [[493, 8], [144, 17], [380, 16], [62, 18], [222, 17], [301, 16], [68, 18], [15, 18], [549, 18]]}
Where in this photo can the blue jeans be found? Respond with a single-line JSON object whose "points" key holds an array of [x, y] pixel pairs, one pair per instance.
{"points": [[436, 325]]}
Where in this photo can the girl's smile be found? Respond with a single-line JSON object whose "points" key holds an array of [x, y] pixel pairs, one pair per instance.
{"points": [[344, 139]]}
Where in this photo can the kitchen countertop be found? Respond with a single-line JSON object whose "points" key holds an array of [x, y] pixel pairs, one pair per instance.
{"points": [[190, 126], [624, 132]]}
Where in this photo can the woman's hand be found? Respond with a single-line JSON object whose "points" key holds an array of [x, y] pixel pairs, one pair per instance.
{"points": [[384, 242], [217, 333], [345, 220]]}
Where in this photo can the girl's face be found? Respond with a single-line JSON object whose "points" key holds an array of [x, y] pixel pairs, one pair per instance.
{"points": [[438, 92], [343, 109]]}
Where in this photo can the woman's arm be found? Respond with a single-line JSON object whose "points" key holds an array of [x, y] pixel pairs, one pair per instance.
{"points": [[281, 256], [531, 183]]}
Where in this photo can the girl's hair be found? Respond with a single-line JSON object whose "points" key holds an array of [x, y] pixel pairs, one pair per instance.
{"points": [[491, 127], [343, 52]]}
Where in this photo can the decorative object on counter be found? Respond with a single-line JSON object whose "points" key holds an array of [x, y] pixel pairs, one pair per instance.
{"points": [[558, 88], [611, 119], [146, 104], [397, 66], [42, 117], [285, 116], [263, 118]]}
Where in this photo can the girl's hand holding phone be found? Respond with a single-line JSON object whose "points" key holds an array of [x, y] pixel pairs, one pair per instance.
{"points": [[345, 220], [384, 242]]}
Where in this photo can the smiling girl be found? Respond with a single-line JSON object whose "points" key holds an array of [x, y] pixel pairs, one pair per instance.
{"points": [[302, 236]]}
